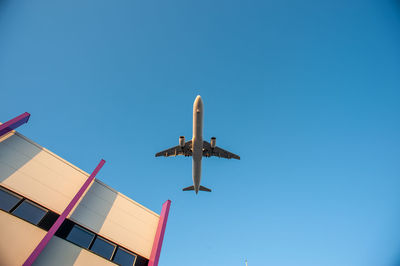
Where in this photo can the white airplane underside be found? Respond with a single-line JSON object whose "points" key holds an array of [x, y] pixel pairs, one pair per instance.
{"points": [[197, 148]]}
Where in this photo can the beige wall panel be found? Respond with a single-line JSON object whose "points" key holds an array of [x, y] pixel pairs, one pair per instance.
{"points": [[36, 191], [18, 239], [63, 253], [117, 218], [38, 174]]}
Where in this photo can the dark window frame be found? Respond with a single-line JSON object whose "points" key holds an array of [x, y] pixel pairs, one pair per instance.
{"points": [[16, 206]]}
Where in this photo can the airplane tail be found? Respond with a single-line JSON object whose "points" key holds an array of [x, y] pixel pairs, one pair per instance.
{"points": [[188, 188], [201, 189], [204, 189]]}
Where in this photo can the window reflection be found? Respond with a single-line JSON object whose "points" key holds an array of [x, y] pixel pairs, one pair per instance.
{"points": [[80, 236], [124, 257], [8, 200], [69, 230], [30, 212], [103, 247]]}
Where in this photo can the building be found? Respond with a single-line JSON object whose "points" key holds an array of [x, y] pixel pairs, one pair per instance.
{"points": [[53, 213]]}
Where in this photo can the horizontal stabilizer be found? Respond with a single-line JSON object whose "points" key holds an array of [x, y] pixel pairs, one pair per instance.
{"points": [[201, 188], [188, 188], [204, 189]]}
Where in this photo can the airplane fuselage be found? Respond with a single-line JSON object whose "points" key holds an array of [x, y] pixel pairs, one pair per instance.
{"points": [[197, 142], [197, 148]]}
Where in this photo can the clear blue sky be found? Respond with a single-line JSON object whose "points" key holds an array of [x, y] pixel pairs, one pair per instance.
{"points": [[306, 92]]}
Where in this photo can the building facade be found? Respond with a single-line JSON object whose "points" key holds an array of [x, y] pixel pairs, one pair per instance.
{"points": [[45, 221]]}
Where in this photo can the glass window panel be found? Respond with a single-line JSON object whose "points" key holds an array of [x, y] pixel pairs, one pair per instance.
{"points": [[8, 200], [30, 212], [80, 236], [103, 247], [48, 220], [124, 257]]}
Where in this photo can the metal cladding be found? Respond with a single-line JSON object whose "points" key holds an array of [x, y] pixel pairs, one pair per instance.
{"points": [[35, 253]]}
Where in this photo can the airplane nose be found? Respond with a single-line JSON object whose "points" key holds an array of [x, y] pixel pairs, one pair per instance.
{"points": [[198, 100]]}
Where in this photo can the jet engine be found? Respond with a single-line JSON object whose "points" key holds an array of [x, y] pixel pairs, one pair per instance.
{"points": [[213, 142], [182, 141]]}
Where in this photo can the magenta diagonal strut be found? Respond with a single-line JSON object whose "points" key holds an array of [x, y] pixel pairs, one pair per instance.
{"points": [[36, 252], [14, 123], [158, 239]]}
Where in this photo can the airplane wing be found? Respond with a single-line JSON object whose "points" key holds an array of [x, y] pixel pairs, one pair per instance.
{"points": [[177, 150], [217, 151]]}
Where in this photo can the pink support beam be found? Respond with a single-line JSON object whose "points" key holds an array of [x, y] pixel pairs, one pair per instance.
{"points": [[158, 239], [35, 253], [14, 123]]}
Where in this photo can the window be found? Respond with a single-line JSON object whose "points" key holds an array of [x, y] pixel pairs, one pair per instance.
{"points": [[8, 200], [124, 257], [69, 230], [30, 212], [48, 220], [80, 236], [103, 247]]}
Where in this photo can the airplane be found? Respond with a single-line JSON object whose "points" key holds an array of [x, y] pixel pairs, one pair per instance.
{"points": [[197, 148]]}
